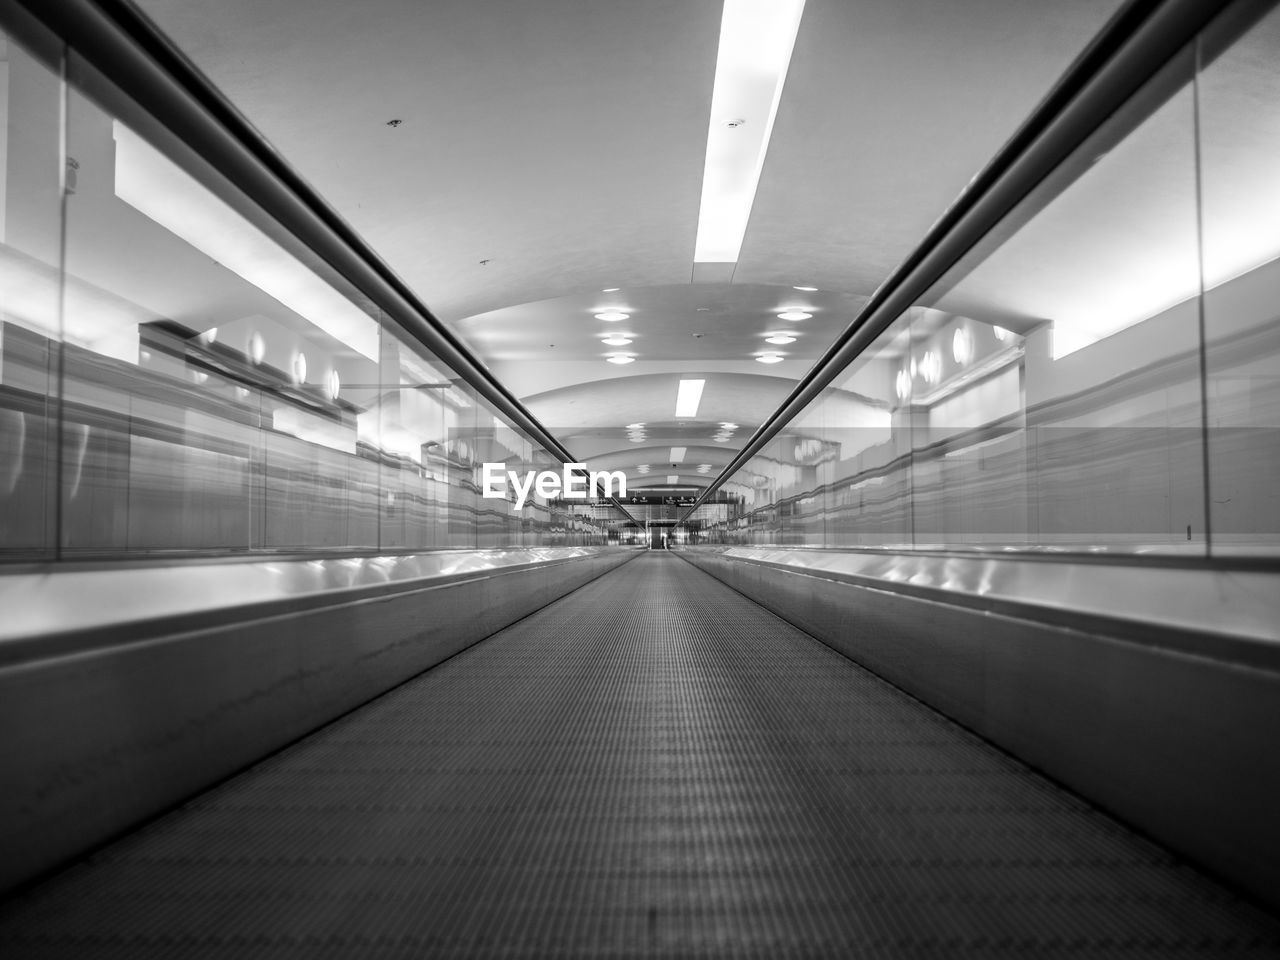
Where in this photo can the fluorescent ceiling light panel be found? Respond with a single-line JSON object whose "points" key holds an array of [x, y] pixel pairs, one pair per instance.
{"points": [[677, 455], [158, 188], [688, 397], [756, 39], [673, 478]]}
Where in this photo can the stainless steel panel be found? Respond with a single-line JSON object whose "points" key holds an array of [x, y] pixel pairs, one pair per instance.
{"points": [[61, 600], [93, 743], [1239, 603]]}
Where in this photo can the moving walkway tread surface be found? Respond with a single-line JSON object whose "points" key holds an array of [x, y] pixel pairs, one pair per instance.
{"points": [[651, 766]]}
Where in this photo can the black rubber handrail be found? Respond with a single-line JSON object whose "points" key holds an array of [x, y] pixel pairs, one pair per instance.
{"points": [[1136, 42], [116, 39]]}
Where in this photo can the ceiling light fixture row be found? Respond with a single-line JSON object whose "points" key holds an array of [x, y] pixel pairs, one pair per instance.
{"points": [[613, 315], [725, 433], [783, 337]]}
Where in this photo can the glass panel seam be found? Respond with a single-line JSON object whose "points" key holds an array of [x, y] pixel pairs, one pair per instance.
{"points": [[59, 392], [1205, 452]]}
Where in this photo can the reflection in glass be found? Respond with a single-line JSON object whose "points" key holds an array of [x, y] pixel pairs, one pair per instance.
{"points": [[222, 389], [1240, 196], [31, 171], [1049, 392]]}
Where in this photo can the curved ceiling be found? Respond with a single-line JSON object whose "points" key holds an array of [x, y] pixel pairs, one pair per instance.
{"points": [[550, 150]]}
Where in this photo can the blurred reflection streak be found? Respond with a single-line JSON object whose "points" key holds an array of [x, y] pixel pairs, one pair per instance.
{"points": [[37, 604], [1242, 603], [13, 445]]}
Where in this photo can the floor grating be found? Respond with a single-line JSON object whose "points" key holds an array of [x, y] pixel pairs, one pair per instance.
{"points": [[650, 767]]}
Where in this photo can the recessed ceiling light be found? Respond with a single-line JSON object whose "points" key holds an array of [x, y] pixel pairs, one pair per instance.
{"points": [[612, 316], [638, 439], [616, 341], [719, 439], [794, 315], [673, 478], [902, 384], [620, 358], [768, 358], [634, 426], [776, 338], [688, 396], [728, 426], [806, 289], [931, 366], [756, 40], [615, 289]]}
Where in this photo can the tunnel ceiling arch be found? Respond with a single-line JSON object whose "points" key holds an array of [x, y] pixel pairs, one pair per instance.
{"points": [[548, 151]]}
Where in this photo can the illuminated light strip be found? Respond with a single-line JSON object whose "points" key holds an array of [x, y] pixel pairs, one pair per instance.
{"points": [[756, 40], [159, 189], [688, 396]]}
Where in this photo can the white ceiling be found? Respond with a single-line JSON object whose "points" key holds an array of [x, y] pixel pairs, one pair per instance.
{"points": [[563, 141]]}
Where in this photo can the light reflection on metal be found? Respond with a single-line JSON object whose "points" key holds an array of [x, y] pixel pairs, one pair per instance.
{"points": [[82, 599], [1238, 603]]}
